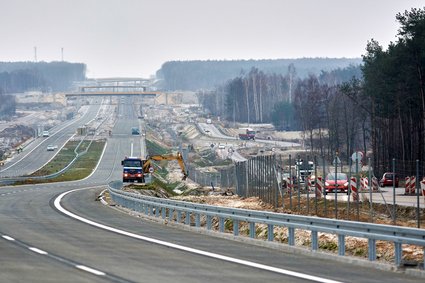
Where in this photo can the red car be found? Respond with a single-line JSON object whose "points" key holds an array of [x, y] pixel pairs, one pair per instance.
{"points": [[340, 185], [387, 179]]}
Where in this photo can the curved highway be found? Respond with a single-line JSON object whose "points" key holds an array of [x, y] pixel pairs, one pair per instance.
{"points": [[35, 155], [39, 243]]}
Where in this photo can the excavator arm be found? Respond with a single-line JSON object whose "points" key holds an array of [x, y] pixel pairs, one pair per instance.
{"points": [[178, 157]]}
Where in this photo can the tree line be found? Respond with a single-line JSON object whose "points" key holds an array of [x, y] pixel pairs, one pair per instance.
{"points": [[315, 105], [7, 106], [41, 76], [376, 107], [394, 84], [194, 75]]}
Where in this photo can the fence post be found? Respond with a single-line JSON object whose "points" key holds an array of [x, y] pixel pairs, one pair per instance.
{"points": [[298, 183], [336, 185], [308, 184], [418, 209], [357, 186], [349, 188], [370, 190], [324, 180], [290, 183], [394, 201], [315, 182]]}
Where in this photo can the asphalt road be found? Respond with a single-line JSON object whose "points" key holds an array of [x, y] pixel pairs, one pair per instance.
{"points": [[35, 155], [41, 244]]}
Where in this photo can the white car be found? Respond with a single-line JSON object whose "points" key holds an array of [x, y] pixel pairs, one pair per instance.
{"points": [[51, 147], [221, 146]]}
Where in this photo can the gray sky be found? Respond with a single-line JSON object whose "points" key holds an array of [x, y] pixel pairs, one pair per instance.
{"points": [[134, 37]]}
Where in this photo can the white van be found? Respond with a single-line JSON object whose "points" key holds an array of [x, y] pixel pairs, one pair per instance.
{"points": [[45, 133]]}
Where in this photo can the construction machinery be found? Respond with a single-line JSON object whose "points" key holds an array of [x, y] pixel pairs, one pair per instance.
{"points": [[136, 169], [303, 169], [248, 134]]}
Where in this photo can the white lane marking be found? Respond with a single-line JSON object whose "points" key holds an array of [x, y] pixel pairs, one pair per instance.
{"points": [[38, 251], [98, 162], [44, 140], [8, 238], [91, 270], [58, 205]]}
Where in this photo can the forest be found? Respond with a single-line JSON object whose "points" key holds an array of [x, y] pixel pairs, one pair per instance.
{"points": [[194, 75], [7, 106], [41, 76], [377, 107], [18, 77]]}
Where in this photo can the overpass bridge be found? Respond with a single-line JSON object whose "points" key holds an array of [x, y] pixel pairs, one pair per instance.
{"points": [[113, 87], [149, 94]]}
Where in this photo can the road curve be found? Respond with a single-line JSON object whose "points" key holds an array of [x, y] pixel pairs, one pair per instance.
{"points": [[39, 243]]}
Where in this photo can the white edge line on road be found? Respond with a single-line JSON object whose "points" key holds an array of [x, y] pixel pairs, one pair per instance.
{"points": [[91, 270], [98, 162], [38, 251], [8, 238], [58, 205], [44, 140]]}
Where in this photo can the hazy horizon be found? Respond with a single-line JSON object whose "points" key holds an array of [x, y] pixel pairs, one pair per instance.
{"points": [[134, 38]]}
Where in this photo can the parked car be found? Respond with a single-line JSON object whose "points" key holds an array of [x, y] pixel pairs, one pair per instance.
{"points": [[387, 179], [340, 184]]}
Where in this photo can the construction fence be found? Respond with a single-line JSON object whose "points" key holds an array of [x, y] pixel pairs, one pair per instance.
{"points": [[278, 181]]}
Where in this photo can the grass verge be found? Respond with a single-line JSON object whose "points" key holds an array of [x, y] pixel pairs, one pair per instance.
{"points": [[79, 170]]}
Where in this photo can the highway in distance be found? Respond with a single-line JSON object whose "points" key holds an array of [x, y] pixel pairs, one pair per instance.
{"points": [[40, 243]]}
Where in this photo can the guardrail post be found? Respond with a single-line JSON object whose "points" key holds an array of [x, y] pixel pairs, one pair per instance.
{"points": [[170, 214], [157, 208], [252, 230], [341, 245], [198, 220], [163, 212], [179, 216], [221, 224], [424, 258], [397, 253], [372, 249], [270, 232], [291, 236], [187, 218], [235, 227], [150, 210], [314, 240], [209, 222]]}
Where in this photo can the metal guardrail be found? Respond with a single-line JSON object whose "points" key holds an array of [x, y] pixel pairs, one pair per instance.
{"points": [[158, 207]]}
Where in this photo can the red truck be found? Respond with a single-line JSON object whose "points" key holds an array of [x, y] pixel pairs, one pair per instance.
{"points": [[249, 134]]}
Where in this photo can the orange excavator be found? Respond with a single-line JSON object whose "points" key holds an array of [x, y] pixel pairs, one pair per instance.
{"points": [[148, 163], [136, 169]]}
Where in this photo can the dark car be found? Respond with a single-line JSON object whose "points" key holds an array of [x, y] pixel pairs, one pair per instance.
{"points": [[135, 131], [387, 179], [340, 184]]}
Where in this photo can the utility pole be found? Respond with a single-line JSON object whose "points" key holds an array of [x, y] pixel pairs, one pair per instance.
{"points": [[35, 54], [62, 53]]}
